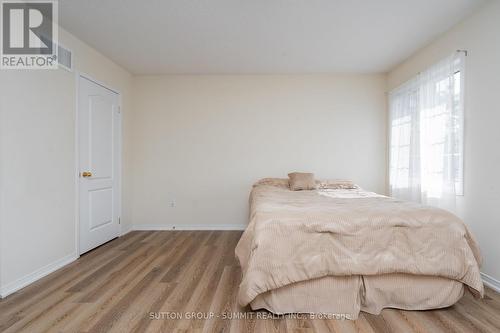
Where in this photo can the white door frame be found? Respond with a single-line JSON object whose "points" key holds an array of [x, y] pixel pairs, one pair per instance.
{"points": [[79, 75]]}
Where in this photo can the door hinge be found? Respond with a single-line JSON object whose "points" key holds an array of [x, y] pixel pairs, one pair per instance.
{"points": [[119, 221], [119, 110]]}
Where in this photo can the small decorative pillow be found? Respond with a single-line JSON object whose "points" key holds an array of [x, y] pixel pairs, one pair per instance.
{"points": [[301, 181]]}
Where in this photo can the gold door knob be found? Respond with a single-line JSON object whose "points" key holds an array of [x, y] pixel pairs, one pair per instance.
{"points": [[86, 174]]}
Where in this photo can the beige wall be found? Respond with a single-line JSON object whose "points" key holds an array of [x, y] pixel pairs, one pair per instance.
{"points": [[202, 141], [37, 165], [480, 206]]}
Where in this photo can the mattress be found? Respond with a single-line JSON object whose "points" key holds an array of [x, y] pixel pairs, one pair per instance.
{"points": [[349, 250]]}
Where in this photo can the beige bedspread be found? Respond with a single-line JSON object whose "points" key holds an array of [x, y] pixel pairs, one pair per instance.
{"points": [[296, 236]]}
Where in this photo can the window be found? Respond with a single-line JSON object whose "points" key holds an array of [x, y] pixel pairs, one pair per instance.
{"points": [[426, 135]]}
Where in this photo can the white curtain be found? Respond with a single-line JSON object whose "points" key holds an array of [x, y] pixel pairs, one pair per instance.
{"points": [[426, 135]]}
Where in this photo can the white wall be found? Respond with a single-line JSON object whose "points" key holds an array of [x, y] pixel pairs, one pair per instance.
{"points": [[480, 206], [37, 162], [202, 141]]}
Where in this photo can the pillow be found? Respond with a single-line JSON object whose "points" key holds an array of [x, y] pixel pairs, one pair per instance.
{"points": [[301, 181], [336, 184], [278, 182]]}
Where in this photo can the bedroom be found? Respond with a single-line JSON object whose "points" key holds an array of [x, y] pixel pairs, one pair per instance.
{"points": [[130, 221]]}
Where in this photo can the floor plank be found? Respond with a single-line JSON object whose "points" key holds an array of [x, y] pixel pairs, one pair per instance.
{"points": [[172, 281]]}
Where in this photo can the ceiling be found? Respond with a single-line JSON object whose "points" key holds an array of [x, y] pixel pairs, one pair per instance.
{"points": [[260, 36]]}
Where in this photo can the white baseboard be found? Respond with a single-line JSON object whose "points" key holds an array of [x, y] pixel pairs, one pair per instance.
{"points": [[36, 275], [491, 282], [189, 227], [126, 230]]}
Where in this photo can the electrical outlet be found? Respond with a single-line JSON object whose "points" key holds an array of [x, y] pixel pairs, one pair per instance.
{"points": [[172, 203]]}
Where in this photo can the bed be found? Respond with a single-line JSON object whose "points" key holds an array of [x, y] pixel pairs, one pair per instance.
{"points": [[344, 250]]}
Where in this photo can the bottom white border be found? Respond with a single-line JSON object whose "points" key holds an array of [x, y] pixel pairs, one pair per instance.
{"points": [[36, 275]]}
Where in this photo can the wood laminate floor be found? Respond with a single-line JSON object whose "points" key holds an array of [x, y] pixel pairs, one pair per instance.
{"points": [[139, 282]]}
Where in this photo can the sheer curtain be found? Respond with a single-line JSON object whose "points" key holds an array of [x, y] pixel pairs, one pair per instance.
{"points": [[426, 135]]}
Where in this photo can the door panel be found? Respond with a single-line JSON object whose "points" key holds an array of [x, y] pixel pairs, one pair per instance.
{"points": [[101, 207], [100, 164], [101, 137]]}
